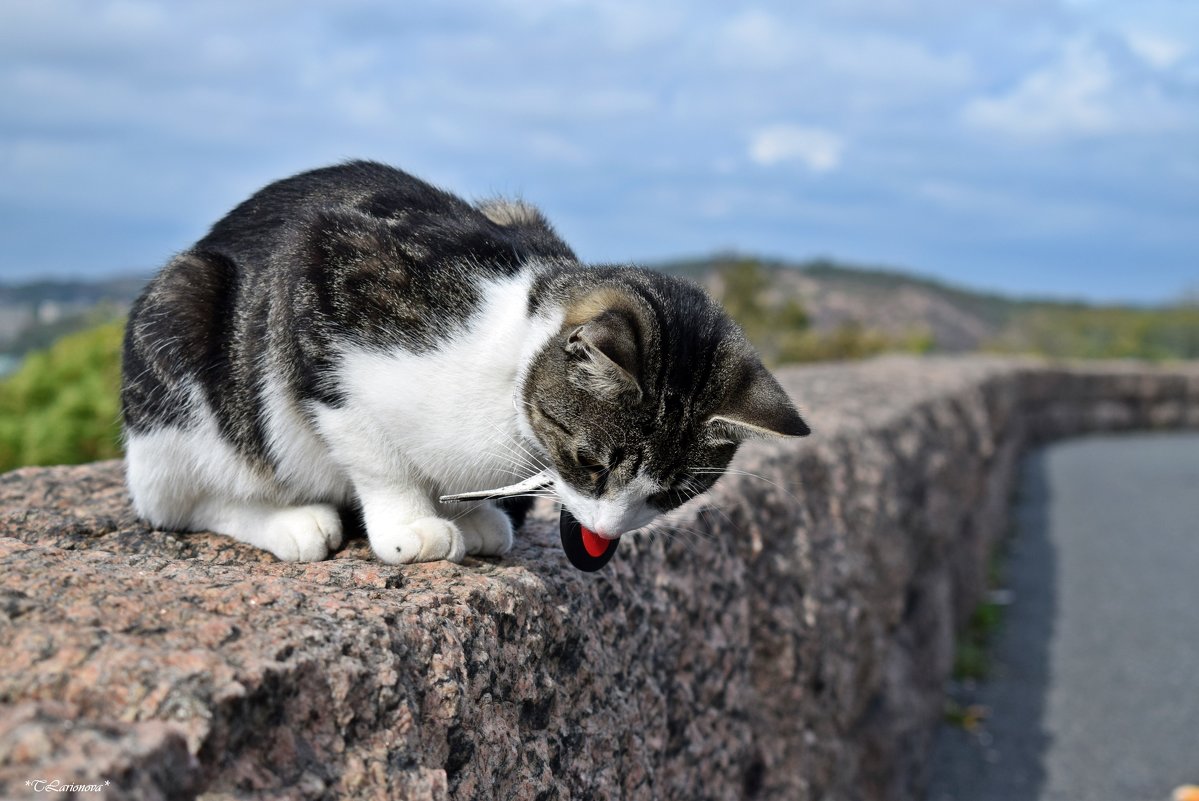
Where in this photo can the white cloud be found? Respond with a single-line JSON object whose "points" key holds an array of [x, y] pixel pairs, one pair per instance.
{"points": [[819, 150], [757, 39], [1079, 94], [1068, 97], [1157, 51], [858, 60]]}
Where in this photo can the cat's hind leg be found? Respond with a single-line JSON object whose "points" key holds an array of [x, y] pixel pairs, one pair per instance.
{"points": [[187, 479], [292, 533]]}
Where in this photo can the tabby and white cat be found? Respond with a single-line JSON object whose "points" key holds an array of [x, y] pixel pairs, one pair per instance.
{"points": [[355, 336]]}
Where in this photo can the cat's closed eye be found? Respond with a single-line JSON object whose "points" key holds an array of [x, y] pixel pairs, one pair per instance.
{"points": [[552, 420], [593, 464]]}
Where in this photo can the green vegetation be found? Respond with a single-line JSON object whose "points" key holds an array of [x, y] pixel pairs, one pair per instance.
{"points": [[779, 327], [850, 340], [61, 406], [1094, 332], [972, 659]]}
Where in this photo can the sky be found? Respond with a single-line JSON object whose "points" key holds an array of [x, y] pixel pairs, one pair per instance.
{"points": [[1036, 147]]}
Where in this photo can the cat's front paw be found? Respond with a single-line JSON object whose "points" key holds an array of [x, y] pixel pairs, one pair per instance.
{"points": [[487, 531], [303, 533], [424, 540]]}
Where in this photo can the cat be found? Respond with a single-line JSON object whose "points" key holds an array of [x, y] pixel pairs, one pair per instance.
{"points": [[353, 336]]}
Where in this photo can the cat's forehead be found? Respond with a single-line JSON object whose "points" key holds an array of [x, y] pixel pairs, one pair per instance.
{"points": [[600, 300]]}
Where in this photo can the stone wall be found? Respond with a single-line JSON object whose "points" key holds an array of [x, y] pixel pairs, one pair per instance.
{"points": [[787, 639]]}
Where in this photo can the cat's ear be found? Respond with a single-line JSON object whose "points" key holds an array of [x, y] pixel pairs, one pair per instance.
{"points": [[605, 356], [757, 407]]}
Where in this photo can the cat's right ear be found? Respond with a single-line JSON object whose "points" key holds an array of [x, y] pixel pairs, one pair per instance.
{"points": [[604, 356], [757, 408]]}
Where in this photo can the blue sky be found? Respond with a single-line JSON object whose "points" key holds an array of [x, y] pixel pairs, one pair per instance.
{"points": [[1036, 147]]}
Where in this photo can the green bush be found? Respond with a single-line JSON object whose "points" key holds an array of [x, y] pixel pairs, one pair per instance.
{"points": [[849, 340], [62, 405]]}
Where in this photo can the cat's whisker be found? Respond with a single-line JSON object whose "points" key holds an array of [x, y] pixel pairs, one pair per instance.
{"points": [[514, 447], [679, 525], [454, 518], [711, 504], [519, 470], [689, 538], [525, 463], [690, 534], [715, 507], [748, 474], [515, 465], [534, 457], [513, 462]]}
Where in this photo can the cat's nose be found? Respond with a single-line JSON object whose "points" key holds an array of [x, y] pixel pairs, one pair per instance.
{"points": [[608, 520], [607, 527]]}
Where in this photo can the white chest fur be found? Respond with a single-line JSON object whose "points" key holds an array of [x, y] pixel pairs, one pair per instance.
{"points": [[449, 414]]}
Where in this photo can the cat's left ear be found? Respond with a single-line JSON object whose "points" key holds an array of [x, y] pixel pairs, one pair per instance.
{"points": [[605, 355], [758, 407]]}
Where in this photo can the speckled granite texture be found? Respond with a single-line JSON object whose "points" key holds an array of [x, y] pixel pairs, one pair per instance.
{"points": [[788, 642]]}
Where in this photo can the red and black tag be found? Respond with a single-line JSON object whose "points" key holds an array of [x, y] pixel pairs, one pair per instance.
{"points": [[585, 549]]}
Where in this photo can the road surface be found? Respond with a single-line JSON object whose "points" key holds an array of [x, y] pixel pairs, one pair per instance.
{"points": [[1094, 686]]}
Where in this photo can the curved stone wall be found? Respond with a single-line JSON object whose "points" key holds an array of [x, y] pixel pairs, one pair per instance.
{"points": [[788, 638]]}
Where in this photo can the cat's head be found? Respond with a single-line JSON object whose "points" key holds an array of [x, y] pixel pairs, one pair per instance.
{"points": [[641, 397]]}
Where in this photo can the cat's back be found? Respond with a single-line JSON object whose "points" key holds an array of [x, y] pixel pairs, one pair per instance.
{"points": [[311, 210], [292, 207]]}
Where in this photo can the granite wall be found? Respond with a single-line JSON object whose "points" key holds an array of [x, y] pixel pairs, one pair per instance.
{"points": [[787, 639]]}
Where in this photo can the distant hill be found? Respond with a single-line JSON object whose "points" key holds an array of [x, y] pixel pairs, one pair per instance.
{"points": [[122, 289], [957, 319], [889, 302], [34, 314]]}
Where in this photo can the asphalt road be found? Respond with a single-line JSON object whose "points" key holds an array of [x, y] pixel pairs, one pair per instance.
{"points": [[1094, 687]]}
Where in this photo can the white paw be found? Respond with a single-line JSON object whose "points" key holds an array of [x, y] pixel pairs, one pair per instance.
{"points": [[487, 530], [303, 534], [424, 540]]}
